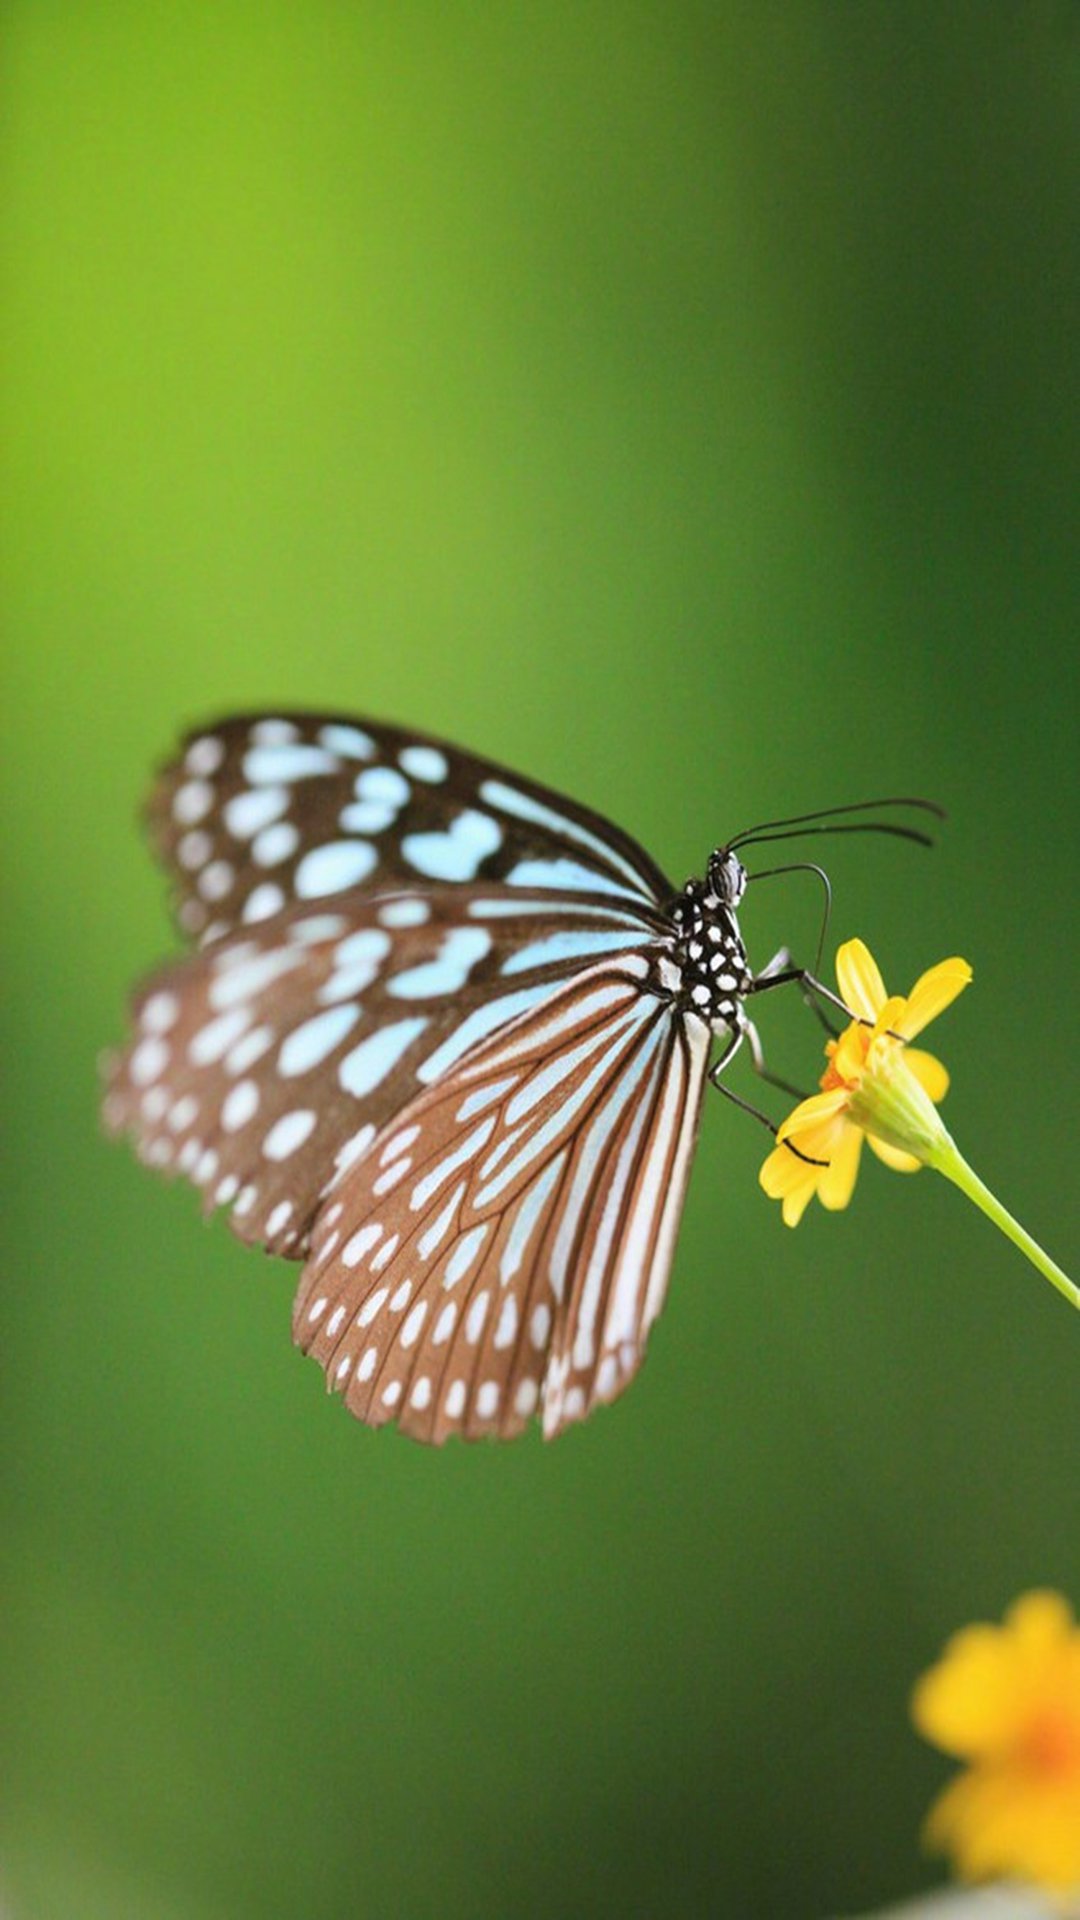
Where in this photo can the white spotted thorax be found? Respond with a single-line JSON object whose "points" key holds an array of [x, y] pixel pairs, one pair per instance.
{"points": [[444, 1039], [713, 973]]}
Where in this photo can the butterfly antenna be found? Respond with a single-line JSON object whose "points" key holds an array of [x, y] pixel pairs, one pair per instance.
{"points": [[891, 827], [817, 822]]}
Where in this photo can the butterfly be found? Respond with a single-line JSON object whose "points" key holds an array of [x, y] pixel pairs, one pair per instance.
{"points": [[443, 1037]]}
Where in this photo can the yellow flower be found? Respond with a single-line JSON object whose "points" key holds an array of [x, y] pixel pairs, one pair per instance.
{"points": [[874, 1085], [1006, 1700]]}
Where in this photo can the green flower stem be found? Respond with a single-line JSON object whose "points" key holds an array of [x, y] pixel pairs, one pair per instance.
{"points": [[948, 1160]]}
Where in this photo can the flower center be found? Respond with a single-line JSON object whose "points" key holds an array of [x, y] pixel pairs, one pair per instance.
{"points": [[1051, 1743]]}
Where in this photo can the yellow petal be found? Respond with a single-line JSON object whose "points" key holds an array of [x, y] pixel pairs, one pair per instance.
{"points": [[932, 1077], [836, 1182], [819, 1107], [890, 1016], [932, 993], [797, 1201], [1006, 1823], [782, 1171], [786, 1178], [1041, 1618], [848, 1056], [977, 1700], [861, 985], [893, 1157], [970, 1705]]}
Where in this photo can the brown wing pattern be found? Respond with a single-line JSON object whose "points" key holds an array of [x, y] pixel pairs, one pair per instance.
{"points": [[504, 1245], [258, 812], [265, 1063]]}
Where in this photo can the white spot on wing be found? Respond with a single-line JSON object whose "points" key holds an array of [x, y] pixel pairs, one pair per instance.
{"points": [[309, 1044], [464, 1254], [565, 874], [460, 951], [204, 756], [329, 869], [351, 742], [444, 1325], [317, 927], [263, 903], [385, 784], [457, 853], [216, 880], [529, 1209], [274, 733], [361, 1242], [248, 1049], [289, 1133], [414, 1320], [148, 1061], [209, 1043], [247, 812], [424, 763], [369, 1063], [474, 1319], [192, 802], [275, 844], [366, 816], [524, 807], [269, 764], [581, 946], [239, 1104], [249, 977], [506, 1327], [160, 1012], [406, 912], [194, 848]]}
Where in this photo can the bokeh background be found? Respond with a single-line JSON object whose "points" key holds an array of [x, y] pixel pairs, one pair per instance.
{"points": [[677, 402]]}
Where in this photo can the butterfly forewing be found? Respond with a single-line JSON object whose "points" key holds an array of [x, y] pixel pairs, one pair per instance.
{"points": [[257, 813], [265, 1063], [505, 1242]]}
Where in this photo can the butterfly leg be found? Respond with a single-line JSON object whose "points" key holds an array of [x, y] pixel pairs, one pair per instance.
{"points": [[716, 1072], [812, 988], [757, 1056]]}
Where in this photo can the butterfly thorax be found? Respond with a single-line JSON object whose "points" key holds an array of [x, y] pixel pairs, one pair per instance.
{"points": [[708, 954]]}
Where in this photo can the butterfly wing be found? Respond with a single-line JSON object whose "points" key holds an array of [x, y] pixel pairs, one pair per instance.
{"points": [[259, 812], [506, 1242], [263, 1064]]}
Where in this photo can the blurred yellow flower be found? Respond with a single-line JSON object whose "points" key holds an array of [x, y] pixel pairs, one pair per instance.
{"points": [[1006, 1700], [874, 1086]]}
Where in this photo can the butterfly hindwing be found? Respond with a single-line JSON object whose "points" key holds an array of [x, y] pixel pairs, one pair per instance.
{"points": [[505, 1242], [257, 813], [265, 1063]]}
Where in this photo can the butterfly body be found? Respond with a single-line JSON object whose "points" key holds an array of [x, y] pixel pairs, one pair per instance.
{"points": [[444, 1038], [714, 973]]}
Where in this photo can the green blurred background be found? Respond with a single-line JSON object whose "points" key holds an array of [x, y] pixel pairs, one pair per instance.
{"points": [[676, 402]]}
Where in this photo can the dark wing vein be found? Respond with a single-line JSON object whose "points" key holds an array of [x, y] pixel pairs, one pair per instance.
{"points": [[506, 1242]]}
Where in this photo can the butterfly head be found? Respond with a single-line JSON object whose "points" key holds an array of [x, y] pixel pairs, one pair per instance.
{"points": [[727, 877]]}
